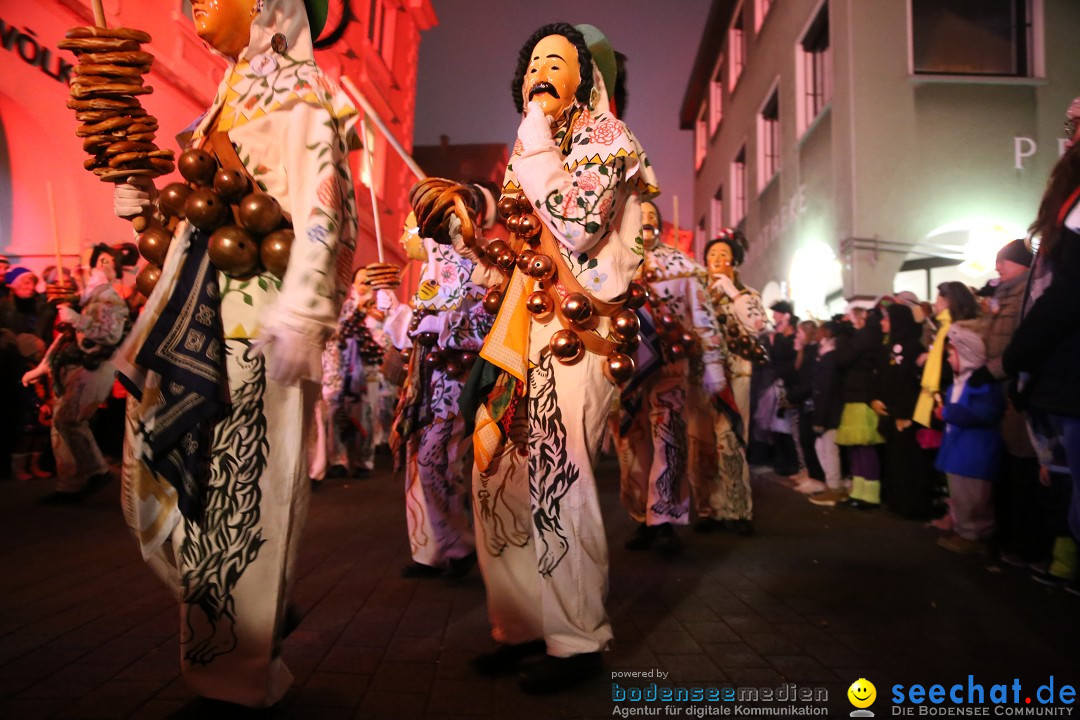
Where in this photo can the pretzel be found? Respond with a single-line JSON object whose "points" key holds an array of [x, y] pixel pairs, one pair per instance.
{"points": [[131, 57], [97, 44], [87, 91], [117, 103], [140, 137], [125, 146], [94, 143], [120, 33], [93, 80], [143, 125], [96, 116], [109, 70], [113, 123]]}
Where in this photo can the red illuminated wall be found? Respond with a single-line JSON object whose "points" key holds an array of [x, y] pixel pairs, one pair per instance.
{"points": [[38, 146]]}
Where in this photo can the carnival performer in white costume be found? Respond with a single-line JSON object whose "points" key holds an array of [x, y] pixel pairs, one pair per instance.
{"points": [[722, 494], [442, 330], [653, 429], [231, 493], [580, 175]]}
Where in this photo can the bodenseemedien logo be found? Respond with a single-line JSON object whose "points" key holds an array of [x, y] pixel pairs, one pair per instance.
{"points": [[862, 694]]}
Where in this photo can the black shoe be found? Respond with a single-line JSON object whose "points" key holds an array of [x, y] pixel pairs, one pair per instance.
{"points": [[857, 504], [96, 482], [505, 659], [291, 621], [61, 498], [642, 539], [708, 525], [337, 472], [553, 674], [460, 567], [419, 570], [741, 527], [665, 540]]}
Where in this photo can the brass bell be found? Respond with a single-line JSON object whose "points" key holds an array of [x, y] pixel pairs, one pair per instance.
{"points": [[524, 204], [687, 339], [566, 347], [577, 308], [206, 210], [147, 278], [668, 321], [233, 251], [197, 166], [231, 184], [650, 276], [492, 300], [454, 369], [154, 244], [406, 354], [507, 206], [494, 249], [528, 226], [619, 367], [539, 303], [172, 199], [427, 338], [467, 358], [625, 323], [506, 259], [630, 344], [433, 359], [513, 224], [636, 295], [676, 353], [274, 251], [524, 258], [259, 213], [541, 267]]}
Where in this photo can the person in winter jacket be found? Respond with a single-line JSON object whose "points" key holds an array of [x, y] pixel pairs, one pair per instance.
{"points": [[827, 408]]}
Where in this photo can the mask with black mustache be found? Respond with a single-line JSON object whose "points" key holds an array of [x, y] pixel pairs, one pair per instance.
{"points": [[543, 87]]}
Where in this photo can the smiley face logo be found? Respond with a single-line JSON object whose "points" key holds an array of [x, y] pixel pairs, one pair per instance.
{"points": [[862, 693]]}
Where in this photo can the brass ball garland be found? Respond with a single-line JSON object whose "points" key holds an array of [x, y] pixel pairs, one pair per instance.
{"points": [[528, 226], [493, 300], [206, 210], [507, 206], [154, 244], [636, 295], [625, 323], [147, 278], [539, 303], [524, 258], [541, 267], [513, 224], [231, 184], [676, 352], [233, 251], [172, 198], [259, 213], [197, 166], [524, 204], [619, 368], [577, 307], [566, 346], [274, 251]]}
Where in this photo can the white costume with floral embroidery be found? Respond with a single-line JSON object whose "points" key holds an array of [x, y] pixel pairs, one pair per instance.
{"points": [[232, 568], [436, 449], [653, 453], [539, 532], [721, 482]]}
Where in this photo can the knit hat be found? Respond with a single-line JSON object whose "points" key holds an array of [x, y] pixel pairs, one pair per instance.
{"points": [[969, 346], [1017, 251], [782, 306], [11, 275]]}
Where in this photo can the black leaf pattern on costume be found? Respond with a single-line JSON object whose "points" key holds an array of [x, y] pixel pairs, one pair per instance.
{"points": [[673, 436]]}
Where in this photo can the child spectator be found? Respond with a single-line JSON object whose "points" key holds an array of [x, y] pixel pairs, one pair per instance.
{"points": [[828, 407], [971, 447]]}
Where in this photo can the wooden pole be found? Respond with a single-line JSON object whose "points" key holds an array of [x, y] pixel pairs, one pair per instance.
{"points": [[56, 233], [99, 14], [675, 211], [356, 95], [369, 160]]}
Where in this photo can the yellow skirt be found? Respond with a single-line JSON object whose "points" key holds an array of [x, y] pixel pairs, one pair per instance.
{"points": [[858, 426]]}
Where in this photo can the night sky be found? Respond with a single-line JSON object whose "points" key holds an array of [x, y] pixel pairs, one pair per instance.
{"points": [[467, 62]]}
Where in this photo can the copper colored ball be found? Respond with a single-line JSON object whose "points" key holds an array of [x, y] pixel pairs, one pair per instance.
{"points": [[197, 166], [528, 226], [467, 359], [259, 213], [454, 368], [206, 210], [524, 204], [172, 199], [566, 346], [676, 352], [147, 279], [541, 267], [668, 321], [513, 224], [577, 307], [507, 206], [233, 251], [427, 338], [506, 259], [625, 323], [231, 184], [433, 359], [630, 344], [492, 300], [406, 354], [494, 249], [687, 339], [636, 295], [650, 275], [524, 258], [539, 303], [274, 251], [154, 244], [619, 367]]}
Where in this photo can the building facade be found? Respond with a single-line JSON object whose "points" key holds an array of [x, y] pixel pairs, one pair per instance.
{"points": [[870, 147], [373, 42]]}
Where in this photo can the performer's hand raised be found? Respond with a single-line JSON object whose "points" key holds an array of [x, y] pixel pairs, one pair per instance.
{"points": [[290, 356], [535, 129], [727, 285], [134, 197]]}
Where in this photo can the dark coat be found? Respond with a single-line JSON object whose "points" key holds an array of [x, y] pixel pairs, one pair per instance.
{"points": [[858, 358], [828, 404], [972, 445]]}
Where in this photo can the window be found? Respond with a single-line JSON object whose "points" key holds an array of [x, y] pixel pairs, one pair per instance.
{"points": [[738, 186], [769, 139], [736, 48], [972, 37], [716, 97], [717, 211], [701, 140], [814, 73], [761, 10]]}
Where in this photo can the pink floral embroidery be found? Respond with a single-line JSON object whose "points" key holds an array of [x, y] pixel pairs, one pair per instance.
{"points": [[569, 202], [581, 121], [606, 132], [518, 147], [589, 180], [329, 195], [251, 102], [605, 206]]}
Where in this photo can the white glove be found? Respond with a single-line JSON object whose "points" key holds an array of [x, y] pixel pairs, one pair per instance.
{"points": [[67, 315], [431, 324], [723, 282], [290, 356], [31, 376], [453, 227], [385, 300], [713, 381], [535, 129], [134, 197]]}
